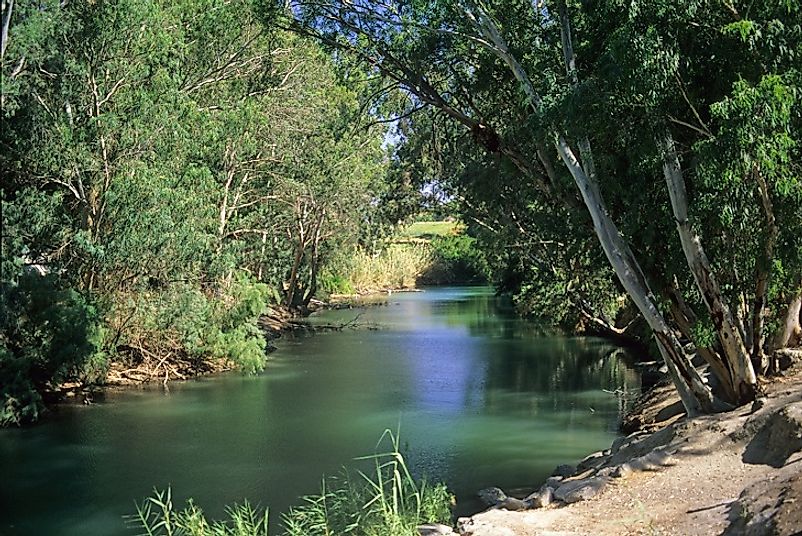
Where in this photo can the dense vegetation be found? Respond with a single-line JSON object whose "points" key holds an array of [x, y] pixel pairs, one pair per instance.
{"points": [[171, 169], [175, 167], [630, 166]]}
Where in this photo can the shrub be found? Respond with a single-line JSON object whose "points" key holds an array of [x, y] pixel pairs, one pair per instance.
{"points": [[157, 516], [48, 335], [184, 320], [330, 283], [456, 259], [397, 266]]}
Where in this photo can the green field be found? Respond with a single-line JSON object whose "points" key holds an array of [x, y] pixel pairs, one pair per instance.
{"points": [[424, 229]]}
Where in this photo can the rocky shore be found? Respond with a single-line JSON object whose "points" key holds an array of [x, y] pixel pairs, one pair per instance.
{"points": [[726, 474]]}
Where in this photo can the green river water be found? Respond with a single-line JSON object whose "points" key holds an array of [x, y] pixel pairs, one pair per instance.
{"points": [[481, 398]]}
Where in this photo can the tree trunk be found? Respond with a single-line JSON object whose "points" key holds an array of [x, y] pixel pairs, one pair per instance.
{"points": [[694, 393], [292, 283], [8, 8], [315, 260], [736, 358], [685, 319], [790, 331], [763, 274]]}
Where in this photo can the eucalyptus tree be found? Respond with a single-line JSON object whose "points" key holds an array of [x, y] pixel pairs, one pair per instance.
{"points": [[568, 92], [161, 161]]}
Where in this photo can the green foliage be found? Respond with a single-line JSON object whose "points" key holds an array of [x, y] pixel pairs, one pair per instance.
{"points": [[333, 283], [157, 516], [722, 78], [456, 259], [388, 502], [156, 152], [48, 335], [183, 320], [430, 229]]}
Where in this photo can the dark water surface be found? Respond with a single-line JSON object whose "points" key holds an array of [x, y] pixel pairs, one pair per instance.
{"points": [[481, 397]]}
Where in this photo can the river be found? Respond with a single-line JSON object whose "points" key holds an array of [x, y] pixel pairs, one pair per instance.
{"points": [[481, 398]]}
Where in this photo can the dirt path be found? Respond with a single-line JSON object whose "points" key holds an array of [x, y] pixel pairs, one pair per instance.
{"points": [[734, 473]]}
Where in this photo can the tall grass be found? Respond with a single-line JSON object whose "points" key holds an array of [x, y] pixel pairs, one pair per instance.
{"points": [[156, 516], [386, 502], [397, 266]]}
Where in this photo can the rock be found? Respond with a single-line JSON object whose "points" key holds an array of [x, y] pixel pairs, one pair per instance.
{"points": [[482, 525], [554, 482], [641, 446], [492, 496], [787, 358], [497, 498], [580, 490], [658, 458], [607, 471], [622, 470], [779, 437], [513, 504], [653, 461], [768, 507], [564, 470], [540, 498], [758, 404], [592, 461], [435, 529], [618, 442]]}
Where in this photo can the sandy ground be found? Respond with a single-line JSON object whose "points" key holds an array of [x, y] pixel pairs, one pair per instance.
{"points": [[695, 493]]}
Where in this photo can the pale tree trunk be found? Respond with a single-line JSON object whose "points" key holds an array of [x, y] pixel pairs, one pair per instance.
{"points": [[300, 248], [685, 318], [8, 7], [790, 331], [315, 260], [736, 357], [763, 274], [694, 393], [293, 280]]}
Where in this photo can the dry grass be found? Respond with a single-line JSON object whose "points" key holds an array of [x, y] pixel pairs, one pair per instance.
{"points": [[396, 267]]}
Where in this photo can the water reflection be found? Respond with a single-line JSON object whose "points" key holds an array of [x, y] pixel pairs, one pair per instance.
{"points": [[482, 399]]}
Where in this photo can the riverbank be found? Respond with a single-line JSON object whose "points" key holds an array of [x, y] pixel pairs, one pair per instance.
{"points": [[151, 369], [731, 473]]}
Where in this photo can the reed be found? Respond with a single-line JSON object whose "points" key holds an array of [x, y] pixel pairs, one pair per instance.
{"points": [[157, 516], [398, 266], [386, 502]]}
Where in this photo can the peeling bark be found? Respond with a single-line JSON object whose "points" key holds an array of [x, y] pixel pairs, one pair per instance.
{"points": [[736, 357]]}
